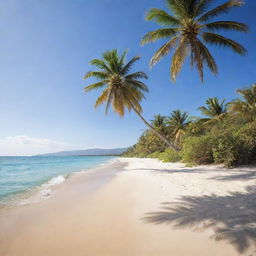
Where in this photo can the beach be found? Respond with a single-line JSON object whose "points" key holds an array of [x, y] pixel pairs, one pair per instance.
{"points": [[139, 207]]}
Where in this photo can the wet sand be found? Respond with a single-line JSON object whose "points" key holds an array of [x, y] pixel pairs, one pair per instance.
{"points": [[117, 209]]}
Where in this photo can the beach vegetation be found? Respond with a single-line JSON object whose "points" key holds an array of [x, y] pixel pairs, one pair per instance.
{"points": [[214, 110], [197, 150], [246, 106], [225, 136], [169, 155], [154, 155], [177, 123]]}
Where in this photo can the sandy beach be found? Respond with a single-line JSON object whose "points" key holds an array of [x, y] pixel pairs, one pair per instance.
{"points": [[139, 207]]}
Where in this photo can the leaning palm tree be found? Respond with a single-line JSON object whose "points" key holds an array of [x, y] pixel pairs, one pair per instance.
{"points": [[121, 89], [188, 29], [178, 122], [245, 107], [214, 109]]}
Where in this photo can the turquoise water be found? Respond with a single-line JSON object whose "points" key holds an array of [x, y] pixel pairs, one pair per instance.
{"points": [[21, 174]]}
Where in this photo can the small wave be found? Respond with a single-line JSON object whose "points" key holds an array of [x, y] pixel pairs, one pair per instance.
{"points": [[45, 191], [37, 197], [55, 181]]}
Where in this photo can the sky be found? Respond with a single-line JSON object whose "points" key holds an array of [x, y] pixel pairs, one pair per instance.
{"points": [[45, 49]]}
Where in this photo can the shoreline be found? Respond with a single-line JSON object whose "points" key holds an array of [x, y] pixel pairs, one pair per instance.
{"points": [[45, 190], [117, 209]]}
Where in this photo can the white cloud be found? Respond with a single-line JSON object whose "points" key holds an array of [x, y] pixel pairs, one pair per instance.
{"points": [[24, 145]]}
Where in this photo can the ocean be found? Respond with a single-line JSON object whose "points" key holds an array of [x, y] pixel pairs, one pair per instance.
{"points": [[22, 175]]}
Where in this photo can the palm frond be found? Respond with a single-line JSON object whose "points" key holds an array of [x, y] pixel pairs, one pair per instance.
{"points": [[155, 35], [214, 108], [201, 7], [204, 111], [102, 98], [163, 51], [97, 74], [178, 122], [177, 7], [207, 57], [111, 57], [129, 65], [95, 85], [223, 8], [118, 103], [219, 40], [161, 17], [178, 58], [133, 91], [227, 25], [122, 58], [245, 107], [109, 100], [159, 121], [189, 7], [101, 65], [138, 84], [133, 101], [137, 75], [196, 57], [249, 94]]}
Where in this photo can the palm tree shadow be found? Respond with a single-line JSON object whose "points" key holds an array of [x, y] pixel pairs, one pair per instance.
{"points": [[239, 175], [232, 217]]}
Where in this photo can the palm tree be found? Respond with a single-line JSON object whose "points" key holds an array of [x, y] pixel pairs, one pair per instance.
{"points": [[159, 122], [121, 89], [178, 122], [247, 106], [187, 31], [214, 109]]}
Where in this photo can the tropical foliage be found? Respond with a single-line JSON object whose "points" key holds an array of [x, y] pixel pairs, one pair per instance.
{"points": [[120, 88], [214, 110], [245, 107], [159, 123], [187, 27], [231, 140], [178, 122]]}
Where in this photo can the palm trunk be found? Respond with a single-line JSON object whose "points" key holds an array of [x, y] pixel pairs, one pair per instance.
{"points": [[160, 135]]}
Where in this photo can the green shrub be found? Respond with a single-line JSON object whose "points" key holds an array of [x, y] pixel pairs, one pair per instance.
{"points": [[235, 145], [247, 138], [197, 150], [169, 155], [141, 155], [154, 154], [226, 149]]}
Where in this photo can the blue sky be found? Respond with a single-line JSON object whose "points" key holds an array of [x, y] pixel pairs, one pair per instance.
{"points": [[45, 49]]}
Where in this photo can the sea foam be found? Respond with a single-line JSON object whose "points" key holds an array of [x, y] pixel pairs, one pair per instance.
{"points": [[55, 181], [45, 191]]}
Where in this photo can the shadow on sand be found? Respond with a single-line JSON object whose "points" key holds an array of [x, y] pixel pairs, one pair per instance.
{"points": [[237, 175], [230, 175], [181, 170], [232, 217]]}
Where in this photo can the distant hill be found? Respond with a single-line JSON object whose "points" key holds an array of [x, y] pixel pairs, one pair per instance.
{"points": [[88, 152]]}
